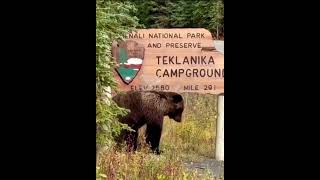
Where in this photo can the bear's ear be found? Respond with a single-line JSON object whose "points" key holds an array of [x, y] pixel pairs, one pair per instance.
{"points": [[177, 98]]}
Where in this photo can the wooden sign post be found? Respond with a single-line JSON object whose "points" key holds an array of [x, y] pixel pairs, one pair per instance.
{"points": [[178, 60], [220, 129]]}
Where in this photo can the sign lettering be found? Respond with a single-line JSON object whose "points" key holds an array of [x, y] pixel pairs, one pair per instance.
{"points": [[180, 60]]}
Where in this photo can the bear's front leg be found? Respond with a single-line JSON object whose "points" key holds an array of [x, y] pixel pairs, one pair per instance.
{"points": [[131, 141], [153, 136]]}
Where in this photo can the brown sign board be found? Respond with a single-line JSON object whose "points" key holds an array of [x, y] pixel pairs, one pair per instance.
{"points": [[179, 60]]}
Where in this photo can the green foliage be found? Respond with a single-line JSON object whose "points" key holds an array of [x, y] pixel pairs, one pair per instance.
{"points": [[182, 14], [154, 13], [213, 17], [113, 21], [205, 14], [145, 11]]}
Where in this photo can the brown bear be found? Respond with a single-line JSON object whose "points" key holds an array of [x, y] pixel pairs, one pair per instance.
{"points": [[148, 107]]}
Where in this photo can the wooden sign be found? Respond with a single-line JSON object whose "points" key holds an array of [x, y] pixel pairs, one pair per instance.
{"points": [[179, 60]]}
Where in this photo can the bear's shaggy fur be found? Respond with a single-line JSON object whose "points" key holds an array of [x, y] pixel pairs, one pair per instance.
{"points": [[148, 107]]}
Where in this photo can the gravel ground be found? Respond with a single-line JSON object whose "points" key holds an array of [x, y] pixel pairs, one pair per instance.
{"points": [[212, 165]]}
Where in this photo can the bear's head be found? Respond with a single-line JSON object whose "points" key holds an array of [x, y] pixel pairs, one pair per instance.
{"points": [[174, 105]]}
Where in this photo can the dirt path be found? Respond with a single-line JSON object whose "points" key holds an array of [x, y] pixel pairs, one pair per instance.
{"points": [[211, 165]]}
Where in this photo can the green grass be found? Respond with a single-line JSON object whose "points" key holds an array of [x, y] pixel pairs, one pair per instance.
{"points": [[195, 136], [191, 140]]}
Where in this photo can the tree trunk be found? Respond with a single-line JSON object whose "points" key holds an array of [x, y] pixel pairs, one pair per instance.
{"points": [[217, 32]]}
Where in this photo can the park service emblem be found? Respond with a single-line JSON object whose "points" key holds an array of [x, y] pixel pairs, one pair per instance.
{"points": [[129, 57]]}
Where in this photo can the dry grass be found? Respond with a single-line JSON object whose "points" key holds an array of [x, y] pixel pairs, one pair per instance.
{"points": [[191, 140], [143, 165]]}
